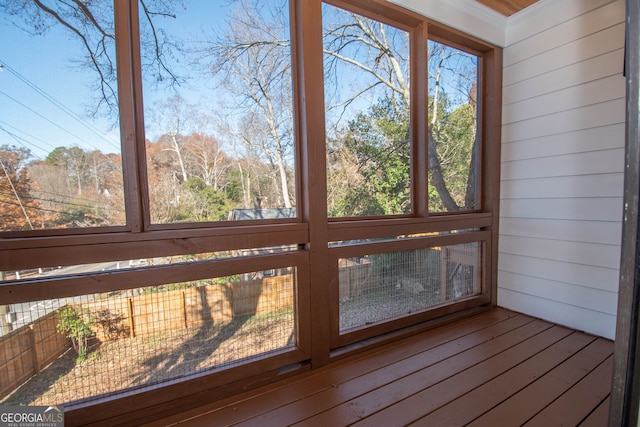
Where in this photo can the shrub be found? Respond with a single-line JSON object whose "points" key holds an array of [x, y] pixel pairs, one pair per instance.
{"points": [[74, 323]]}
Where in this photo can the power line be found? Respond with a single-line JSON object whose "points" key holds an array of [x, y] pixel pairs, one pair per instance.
{"points": [[38, 208], [63, 196], [21, 140], [74, 201], [113, 143], [38, 199], [46, 119], [41, 141]]}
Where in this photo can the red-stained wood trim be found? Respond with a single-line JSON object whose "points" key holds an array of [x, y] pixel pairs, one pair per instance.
{"points": [[491, 114], [382, 11], [309, 90], [419, 126], [378, 228], [342, 339], [132, 124], [407, 244], [65, 252], [84, 284]]}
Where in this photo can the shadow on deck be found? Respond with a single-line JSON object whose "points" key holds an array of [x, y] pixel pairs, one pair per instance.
{"points": [[499, 368]]}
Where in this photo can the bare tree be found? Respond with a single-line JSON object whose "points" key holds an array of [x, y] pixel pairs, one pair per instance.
{"points": [[207, 159], [452, 82], [172, 116], [254, 57], [363, 58], [377, 53], [92, 25]]}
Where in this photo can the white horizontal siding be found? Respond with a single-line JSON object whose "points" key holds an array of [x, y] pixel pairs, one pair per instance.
{"points": [[584, 186], [580, 253], [587, 117], [573, 22], [587, 276], [590, 93], [562, 292], [544, 16], [600, 232], [576, 209], [596, 322], [562, 163], [582, 140], [571, 53], [590, 162], [605, 65]]}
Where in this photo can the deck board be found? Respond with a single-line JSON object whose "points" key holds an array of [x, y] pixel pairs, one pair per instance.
{"points": [[498, 368], [526, 403], [576, 404], [599, 417], [467, 407]]}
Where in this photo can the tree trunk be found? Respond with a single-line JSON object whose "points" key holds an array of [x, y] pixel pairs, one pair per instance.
{"points": [[436, 177]]}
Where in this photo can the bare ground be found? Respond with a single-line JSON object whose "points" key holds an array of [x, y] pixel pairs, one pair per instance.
{"points": [[129, 363], [126, 363]]}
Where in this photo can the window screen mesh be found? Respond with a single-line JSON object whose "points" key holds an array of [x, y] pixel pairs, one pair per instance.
{"points": [[380, 287], [59, 351]]}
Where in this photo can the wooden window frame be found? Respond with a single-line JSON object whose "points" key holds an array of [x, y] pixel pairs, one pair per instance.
{"points": [[312, 231]]}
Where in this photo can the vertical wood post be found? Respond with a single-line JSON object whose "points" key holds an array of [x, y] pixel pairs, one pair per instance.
{"points": [[625, 390], [183, 307], [310, 136], [132, 330], [34, 352]]}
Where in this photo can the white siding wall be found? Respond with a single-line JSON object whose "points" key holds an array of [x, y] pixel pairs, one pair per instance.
{"points": [[562, 163]]}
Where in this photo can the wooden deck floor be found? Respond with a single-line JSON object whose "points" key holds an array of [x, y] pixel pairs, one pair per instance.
{"points": [[496, 369]]}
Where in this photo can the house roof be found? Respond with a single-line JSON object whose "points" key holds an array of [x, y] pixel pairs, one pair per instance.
{"points": [[270, 213]]}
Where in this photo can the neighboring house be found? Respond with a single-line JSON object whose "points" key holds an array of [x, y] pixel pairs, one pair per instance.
{"points": [[256, 214]]}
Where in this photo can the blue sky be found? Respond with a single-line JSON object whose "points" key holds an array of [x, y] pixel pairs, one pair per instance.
{"points": [[43, 95]]}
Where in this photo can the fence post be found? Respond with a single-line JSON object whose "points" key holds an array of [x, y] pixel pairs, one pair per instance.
{"points": [[5, 326], [132, 331], [34, 352], [183, 305]]}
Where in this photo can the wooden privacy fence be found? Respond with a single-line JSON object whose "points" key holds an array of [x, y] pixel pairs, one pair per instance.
{"points": [[160, 312], [27, 350]]}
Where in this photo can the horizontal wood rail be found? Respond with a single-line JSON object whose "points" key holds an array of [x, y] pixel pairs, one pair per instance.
{"points": [[83, 284], [380, 228], [24, 253]]}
